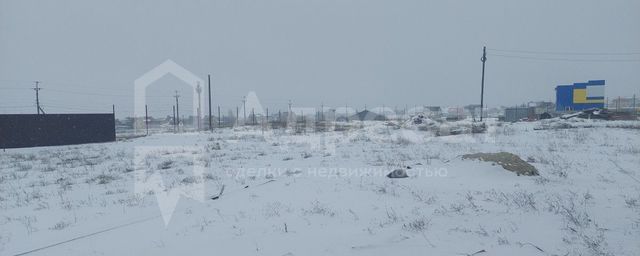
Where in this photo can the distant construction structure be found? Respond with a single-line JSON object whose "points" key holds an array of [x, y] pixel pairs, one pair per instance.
{"points": [[580, 96]]}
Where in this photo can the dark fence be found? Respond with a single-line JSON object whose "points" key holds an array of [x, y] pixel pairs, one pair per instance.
{"points": [[20, 131]]}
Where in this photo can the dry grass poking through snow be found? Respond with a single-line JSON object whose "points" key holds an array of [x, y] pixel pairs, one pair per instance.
{"points": [[330, 195]]}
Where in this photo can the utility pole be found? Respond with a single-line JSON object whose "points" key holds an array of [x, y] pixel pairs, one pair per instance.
{"points": [[289, 114], [634, 105], [244, 110], [395, 112], [37, 89], [406, 108], [253, 116], [346, 113], [263, 124], [219, 117], [198, 90], [634, 101], [177, 110], [146, 119], [210, 122], [483, 59], [174, 118], [237, 115]]}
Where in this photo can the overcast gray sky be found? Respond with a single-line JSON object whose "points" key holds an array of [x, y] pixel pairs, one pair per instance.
{"points": [[396, 53]]}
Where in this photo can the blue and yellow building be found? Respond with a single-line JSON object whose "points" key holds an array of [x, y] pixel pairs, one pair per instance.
{"points": [[580, 96]]}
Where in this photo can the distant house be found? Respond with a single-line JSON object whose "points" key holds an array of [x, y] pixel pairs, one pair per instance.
{"points": [[367, 115], [455, 113], [515, 114], [542, 106], [434, 111], [618, 104], [474, 110]]}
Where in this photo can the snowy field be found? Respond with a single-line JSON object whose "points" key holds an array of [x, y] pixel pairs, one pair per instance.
{"points": [[328, 194]]}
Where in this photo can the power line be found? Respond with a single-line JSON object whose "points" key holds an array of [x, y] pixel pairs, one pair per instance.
{"points": [[85, 93], [565, 53], [59, 105], [104, 94], [15, 107], [65, 107], [563, 59], [12, 88], [89, 235]]}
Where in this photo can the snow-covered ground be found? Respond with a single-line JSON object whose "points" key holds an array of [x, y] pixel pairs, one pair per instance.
{"points": [[327, 193]]}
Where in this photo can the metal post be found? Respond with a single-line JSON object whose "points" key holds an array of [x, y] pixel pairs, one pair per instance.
{"points": [[244, 110], [113, 109], [635, 111], [346, 113], [37, 89], [177, 110], [404, 113], [210, 120], [289, 114], [199, 90], [255, 119], [146, 119], [483, 59]]}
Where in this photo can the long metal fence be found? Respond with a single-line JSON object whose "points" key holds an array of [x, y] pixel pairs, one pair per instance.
{"points": [[31, 130]]}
